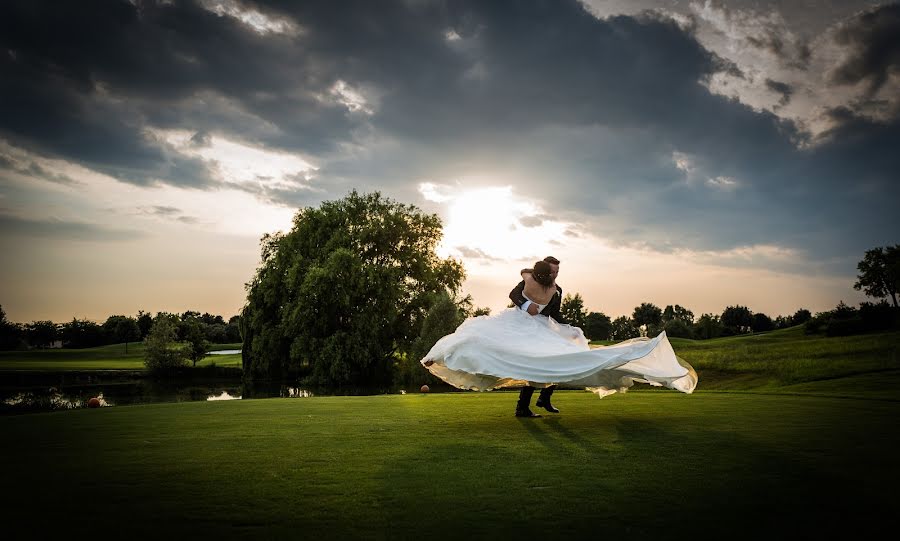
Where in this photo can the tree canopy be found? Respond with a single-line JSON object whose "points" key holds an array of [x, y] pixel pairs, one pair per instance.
{"points": [[344, 291], [160, 355], [647, 317], [737, 319], [572, 309], [879, 273]]}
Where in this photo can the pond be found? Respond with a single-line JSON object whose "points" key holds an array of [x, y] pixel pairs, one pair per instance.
{"points": [[66, 392]]}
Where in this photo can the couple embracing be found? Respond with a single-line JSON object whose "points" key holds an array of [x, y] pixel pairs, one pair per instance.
{"points": [[532, 346]]}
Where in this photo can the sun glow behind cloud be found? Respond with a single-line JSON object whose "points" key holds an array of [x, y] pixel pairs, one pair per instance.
{"points": [[491, 224]]}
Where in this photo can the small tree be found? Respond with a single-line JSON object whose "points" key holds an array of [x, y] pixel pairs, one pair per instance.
{"points": [[127, 330], [624, 328], [737, 319], [801, 316], [708, 326], [10, 333], [81, 333], [572, 309], [144, 321], [648, 318], [41, 333], [160, 357], [233, 329], [678, 328], [196, 339], [444, 316], [677, 312], [761, 322], [597, 326], [879, 273]]}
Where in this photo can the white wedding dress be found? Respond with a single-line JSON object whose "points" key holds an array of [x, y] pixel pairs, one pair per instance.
{"points": [[514, 348]]}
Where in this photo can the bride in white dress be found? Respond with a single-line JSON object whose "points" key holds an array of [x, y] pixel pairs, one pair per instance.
{"points": [[514, 348]]}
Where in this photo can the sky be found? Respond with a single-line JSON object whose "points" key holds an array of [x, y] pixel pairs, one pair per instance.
{"points": [[684, 152]]}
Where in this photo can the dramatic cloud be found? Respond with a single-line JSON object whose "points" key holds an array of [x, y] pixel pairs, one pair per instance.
{"points": [[697, 128], [873, 38]]}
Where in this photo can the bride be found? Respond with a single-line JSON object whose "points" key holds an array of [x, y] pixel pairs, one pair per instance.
{"points": [[514, 348]]}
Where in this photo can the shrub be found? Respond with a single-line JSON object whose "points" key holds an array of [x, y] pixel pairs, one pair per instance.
{"points": [[845, 320], [442, 319], [159, 355], [676, 328], [879, 317]]}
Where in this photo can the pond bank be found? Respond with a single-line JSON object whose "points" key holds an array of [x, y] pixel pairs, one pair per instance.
{"points": [[30, 391]]}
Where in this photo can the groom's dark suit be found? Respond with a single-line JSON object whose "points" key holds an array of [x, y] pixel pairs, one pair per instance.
{"points": [[551, 310]]}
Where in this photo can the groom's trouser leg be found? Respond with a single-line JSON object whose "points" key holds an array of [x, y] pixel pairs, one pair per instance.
{"points": [[524, 398], [546, 393]]}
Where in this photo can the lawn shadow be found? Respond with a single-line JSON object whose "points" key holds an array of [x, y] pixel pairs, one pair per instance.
{"points": [[739, 488], [637, 477]]}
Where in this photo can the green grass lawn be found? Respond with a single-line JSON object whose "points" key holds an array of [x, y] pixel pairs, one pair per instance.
{"points": [[111, 357], [459, 465]]}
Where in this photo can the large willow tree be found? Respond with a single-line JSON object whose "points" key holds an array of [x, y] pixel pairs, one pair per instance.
{"points": [[344, 291]]}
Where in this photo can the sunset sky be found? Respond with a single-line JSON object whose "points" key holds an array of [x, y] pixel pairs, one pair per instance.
{"points": [[695, 153]]}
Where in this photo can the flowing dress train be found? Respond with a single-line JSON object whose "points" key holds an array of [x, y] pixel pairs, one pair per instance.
{"points": [[513, 348]]}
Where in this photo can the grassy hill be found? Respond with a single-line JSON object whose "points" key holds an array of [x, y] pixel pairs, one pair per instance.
{"points": [[788, 360]]}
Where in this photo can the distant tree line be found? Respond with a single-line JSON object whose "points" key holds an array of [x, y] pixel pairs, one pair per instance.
{"points": [[117, 329], [879, 277], [649, 320]]}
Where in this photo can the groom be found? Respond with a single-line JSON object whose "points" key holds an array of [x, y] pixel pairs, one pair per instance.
{"points": [[552, 310]]}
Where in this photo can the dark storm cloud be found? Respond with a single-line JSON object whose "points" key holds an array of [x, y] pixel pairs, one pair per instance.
{"points": [[84, 83], [65, 230], [585, 114], [874, 41], [34, 170], [796, 55], [66, 63], [784, 89], [201, 139]]}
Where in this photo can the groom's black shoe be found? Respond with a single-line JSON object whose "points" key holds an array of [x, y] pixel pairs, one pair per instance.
{"points": [[526, 413], [541, 403]]}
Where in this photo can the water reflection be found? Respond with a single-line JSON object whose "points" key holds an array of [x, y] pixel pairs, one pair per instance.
{"points": [[68, 391], [67, 397], [223, 396], [50, 400]]}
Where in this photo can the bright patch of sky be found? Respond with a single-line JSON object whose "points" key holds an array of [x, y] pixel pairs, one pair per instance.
{"points": [[258, 21], [492, 223], [241, 163]]}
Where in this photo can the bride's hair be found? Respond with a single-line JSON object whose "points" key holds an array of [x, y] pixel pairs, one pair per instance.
{"points": [[541, 273]]}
